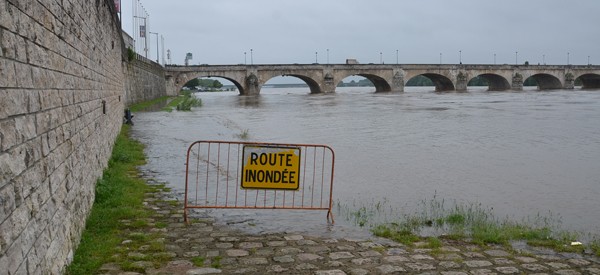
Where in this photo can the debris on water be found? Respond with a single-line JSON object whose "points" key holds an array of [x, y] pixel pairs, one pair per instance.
{"points": [[576, 243]]}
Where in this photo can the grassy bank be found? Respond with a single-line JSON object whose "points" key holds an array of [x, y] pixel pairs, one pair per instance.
{"points": [[146, 104], [117, 211]]}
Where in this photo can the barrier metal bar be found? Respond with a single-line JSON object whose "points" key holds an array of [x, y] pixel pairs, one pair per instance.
{"points": [[213, 179]]}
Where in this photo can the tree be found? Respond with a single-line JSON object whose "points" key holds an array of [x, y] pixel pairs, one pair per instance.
{"points": [[420, 80], [216, 84], [192, 83]]}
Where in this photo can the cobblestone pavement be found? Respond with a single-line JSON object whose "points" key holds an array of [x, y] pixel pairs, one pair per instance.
{"points": [[224, 251]]}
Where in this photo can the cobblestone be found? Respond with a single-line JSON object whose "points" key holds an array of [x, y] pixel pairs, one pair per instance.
{"points": [[230, 252]]}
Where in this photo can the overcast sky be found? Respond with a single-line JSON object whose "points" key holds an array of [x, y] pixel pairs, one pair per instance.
{"points": [[286, 31]]}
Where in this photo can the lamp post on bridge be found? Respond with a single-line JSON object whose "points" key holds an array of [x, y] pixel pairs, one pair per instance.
{"points": [[544, 59], [494, 59], [251, 58], [396, 57], [245, 62], [516, 58], [316, 57], [568, 53], [380, 57], [440, 58], [589, 61], [459, 56], [327, 56]]}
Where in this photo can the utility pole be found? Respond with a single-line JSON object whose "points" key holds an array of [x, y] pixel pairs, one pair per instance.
{"points": [[143, 34], [156, 45]]}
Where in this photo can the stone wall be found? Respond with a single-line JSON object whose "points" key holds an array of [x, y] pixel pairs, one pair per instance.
{"points": [[145, 80], [61, 107]]}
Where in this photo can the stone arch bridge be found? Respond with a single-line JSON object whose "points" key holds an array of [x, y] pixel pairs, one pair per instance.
{"points": [[322, 78]]}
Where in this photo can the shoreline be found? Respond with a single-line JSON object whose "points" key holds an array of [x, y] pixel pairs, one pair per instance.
{"points": [[203, 247]]}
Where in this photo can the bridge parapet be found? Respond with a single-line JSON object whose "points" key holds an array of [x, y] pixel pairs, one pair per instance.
{"points": [[323, 78]]}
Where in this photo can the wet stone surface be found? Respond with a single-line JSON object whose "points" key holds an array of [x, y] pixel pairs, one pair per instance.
{"points": [[225, 251]]}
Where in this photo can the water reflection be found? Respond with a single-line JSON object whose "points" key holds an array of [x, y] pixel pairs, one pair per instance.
{"points": [[249, 101]]}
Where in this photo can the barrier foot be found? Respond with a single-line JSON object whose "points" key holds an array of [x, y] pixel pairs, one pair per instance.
{"points": [[185, 214], [330, 217]]}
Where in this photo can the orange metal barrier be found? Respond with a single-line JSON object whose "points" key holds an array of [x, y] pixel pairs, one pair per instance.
{"points": [[214, 176]]}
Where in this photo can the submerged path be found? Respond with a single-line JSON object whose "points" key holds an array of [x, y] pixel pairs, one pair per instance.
{"points": [[222, 250]]}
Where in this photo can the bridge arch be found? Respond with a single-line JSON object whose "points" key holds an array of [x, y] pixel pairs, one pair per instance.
{"points": [[546, 81], [441, 82], [381, 85], [590, 81], [495, 82], [187, 77], [313, 85]]}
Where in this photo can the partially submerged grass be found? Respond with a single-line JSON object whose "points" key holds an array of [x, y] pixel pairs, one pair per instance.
{"points": [[471, 222], [244, 134], [118, 208], [186, 101]]}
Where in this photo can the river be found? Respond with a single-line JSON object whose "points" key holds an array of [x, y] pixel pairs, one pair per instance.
{"points": [[518, 153]]}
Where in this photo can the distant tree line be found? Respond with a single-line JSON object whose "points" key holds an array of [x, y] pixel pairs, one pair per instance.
{"points": [[353, 83], [204, 83]]}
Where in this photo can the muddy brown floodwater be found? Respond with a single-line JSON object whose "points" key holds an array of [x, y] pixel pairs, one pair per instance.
{"points": [[520, 153]]}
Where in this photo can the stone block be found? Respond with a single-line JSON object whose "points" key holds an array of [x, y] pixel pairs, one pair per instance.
{"points": [[43, 122], [25, 128], [15, 254], [7, 203], [23, 75], [20, 49], [12, 164], [7, 70], [8, 134], [27, 183], [7, 44]]}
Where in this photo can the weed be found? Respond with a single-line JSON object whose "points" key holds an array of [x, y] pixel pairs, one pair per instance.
{"points": [[161, 225], [198, 261], [216, 263], [245, 134], [401, 234], [433, 242], [595, 247]]}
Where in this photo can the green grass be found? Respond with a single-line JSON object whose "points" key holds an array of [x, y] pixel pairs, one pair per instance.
{"points": [[143, 105], [119, 196]]}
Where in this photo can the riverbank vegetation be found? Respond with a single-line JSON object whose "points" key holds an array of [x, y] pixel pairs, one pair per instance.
{"points": [[118, 209], [472, 222], [185, 102]]}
